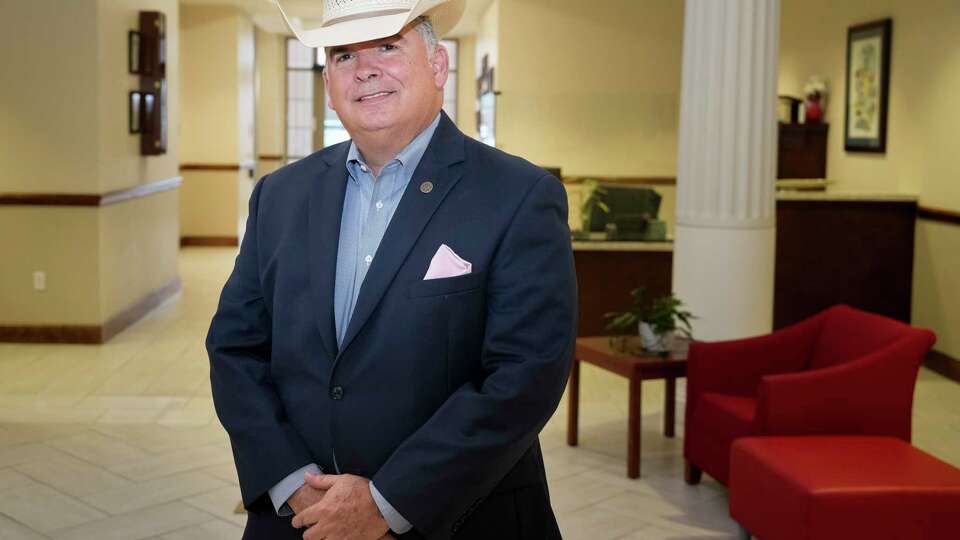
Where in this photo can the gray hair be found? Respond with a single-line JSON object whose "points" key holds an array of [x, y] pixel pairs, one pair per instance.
{"points": [[424, 27]]}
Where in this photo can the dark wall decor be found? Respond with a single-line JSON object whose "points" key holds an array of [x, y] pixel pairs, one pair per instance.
{"points": [[133, 52], [486, 104], [135, 111], [868, 86], [148, 104]]}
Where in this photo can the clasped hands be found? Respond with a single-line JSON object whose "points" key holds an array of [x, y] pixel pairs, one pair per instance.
{"points": [[337, 507]]}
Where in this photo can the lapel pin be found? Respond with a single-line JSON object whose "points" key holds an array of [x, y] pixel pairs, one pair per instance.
{"points": [[426, 187]]}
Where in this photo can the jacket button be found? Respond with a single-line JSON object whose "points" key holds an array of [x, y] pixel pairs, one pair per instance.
{"points": [[336, 393]]}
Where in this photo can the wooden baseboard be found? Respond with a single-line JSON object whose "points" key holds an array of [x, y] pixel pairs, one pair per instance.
{"points": [[92, 334], [51, 334], [134, 313], [208, 241], [944, 364]]}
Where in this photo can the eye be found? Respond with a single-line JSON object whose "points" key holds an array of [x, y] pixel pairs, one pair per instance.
{"points": [[388, 47], [340, 57]]}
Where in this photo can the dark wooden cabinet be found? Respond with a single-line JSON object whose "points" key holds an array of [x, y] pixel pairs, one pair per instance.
{"points": [[802, 150], [843, 252]]}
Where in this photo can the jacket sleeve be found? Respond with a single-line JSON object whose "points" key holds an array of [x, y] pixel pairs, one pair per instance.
{"points": [[265, 446], [473, 440]]}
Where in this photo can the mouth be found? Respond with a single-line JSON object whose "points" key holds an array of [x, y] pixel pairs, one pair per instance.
{"points": [[376, 96]]}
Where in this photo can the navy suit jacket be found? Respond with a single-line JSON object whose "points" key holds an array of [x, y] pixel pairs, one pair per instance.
{"points": [[441, 386]]}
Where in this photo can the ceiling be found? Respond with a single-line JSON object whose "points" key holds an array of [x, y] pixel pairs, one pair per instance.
{"points": [[266, 15]]}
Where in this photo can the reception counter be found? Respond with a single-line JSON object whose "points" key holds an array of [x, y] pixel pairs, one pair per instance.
{"points": [[852, 248]]}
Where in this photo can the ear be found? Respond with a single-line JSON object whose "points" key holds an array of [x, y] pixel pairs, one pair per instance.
{"points": [[440, 62], [326, 86]]}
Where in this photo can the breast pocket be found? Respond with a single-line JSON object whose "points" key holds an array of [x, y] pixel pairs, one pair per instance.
{"points": [[447, 286]]}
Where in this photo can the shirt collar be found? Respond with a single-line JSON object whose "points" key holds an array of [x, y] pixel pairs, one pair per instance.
{"points": [[411, 154]]}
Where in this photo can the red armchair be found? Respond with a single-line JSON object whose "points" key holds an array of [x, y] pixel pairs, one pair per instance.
{"points": [[841, 372]]}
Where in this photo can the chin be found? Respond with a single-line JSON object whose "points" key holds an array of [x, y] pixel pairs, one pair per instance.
{"points": [[377, 120]]}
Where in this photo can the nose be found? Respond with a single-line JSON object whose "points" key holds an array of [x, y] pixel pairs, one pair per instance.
{"points": [[367, 68]]}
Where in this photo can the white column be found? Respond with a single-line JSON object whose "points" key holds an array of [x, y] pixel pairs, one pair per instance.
{"points": [[724, 241]]}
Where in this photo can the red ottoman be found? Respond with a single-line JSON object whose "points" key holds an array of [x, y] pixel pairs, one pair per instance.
{"points": [[786, 488]]}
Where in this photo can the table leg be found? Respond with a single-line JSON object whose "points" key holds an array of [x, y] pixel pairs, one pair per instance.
{"points": [[573, 403], [633, 436], [670, 407]]}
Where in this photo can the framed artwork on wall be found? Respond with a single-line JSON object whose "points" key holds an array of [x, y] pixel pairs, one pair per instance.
{"points": [[486, 104], [868, 87]]}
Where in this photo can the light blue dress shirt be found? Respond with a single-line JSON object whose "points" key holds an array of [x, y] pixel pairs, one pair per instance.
{"points": [[368, 207]]}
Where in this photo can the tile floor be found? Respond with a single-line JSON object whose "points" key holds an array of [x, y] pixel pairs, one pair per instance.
{"points": [[120, 441]]}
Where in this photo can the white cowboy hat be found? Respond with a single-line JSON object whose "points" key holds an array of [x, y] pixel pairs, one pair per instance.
{"points": [[355, 21]]}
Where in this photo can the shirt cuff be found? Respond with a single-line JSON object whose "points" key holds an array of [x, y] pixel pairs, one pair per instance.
{"points": [[286, 487], [394, 520]]}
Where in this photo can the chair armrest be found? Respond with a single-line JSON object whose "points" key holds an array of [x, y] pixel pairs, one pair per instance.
{"points": [[736, 367], [872, 395]]}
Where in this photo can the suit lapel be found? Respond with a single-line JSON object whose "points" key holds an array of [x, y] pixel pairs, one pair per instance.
{"points": [[325, 211], [414, 211]]}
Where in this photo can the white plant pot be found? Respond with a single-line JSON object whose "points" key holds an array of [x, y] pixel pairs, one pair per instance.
{"points": [[654, 342]]}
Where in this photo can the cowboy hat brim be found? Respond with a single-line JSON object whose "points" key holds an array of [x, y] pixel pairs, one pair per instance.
{"points": [[444, 14]]}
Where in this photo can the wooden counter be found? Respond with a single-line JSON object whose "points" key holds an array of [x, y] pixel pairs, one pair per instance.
{"points": [[851, 248]]}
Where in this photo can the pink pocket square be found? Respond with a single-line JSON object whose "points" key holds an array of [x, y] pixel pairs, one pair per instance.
{"points": [[446, 263]]}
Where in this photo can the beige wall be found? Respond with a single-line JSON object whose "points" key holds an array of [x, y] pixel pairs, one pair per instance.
{"points": [[936, 284], [139, 242], [270, 96], [61, 241], [921, 152], [270, 87], [210, 73], [64, 130], [208, 204], [467, 86], [592, 87], [219, 113], [246, 90], [49, 115]]}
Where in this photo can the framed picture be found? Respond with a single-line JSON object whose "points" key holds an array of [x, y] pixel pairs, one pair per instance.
{"points": [[868, 86], [135, 111], [133, 52]]}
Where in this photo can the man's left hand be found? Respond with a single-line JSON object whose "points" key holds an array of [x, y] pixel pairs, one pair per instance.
{"points": [[346, 512]]}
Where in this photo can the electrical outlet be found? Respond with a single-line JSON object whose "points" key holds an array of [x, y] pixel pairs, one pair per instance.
{"points": [[40, 280]]}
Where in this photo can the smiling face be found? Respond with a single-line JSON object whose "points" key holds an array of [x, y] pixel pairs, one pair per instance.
{"points": [[389, 88]]}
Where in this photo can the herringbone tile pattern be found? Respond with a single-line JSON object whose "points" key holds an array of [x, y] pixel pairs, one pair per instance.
{"points": [[120, 441]]}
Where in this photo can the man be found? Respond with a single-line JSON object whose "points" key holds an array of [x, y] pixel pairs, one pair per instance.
{"points": [[399, 323]]}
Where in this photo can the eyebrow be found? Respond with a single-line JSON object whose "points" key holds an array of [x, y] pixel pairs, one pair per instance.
{"points": [[346, 48]]}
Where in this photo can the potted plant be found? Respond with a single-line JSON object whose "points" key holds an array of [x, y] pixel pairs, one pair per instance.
{"points": [[656, 323], [815, 92]]}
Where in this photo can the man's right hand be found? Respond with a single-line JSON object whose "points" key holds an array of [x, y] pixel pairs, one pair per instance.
{"points": [[304, 498], [307, 496]]}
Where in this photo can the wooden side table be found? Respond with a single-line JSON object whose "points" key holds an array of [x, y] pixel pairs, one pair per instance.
{"points": [[597, 351]]}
